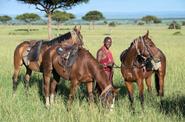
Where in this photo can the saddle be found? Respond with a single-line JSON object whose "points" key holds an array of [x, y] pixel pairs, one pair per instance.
{"points": [[67, 55], [32, 52]]}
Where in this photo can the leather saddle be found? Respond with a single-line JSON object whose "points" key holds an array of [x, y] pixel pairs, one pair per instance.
{"points": [[67, 55]]}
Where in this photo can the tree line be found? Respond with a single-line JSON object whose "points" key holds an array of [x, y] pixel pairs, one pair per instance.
{"points": [[49, 7]]}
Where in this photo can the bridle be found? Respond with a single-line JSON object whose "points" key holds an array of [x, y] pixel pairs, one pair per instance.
{"points": [[140, 54], [79, 37]]}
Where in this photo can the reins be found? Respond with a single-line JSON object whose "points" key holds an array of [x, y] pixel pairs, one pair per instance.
{"points": [[116, 66]]}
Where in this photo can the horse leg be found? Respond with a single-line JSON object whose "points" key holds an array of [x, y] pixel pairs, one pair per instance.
{"points": [[17, 68], [90, 92], [47, 77], [73, 88], [130, 94], [159, 79], [141, 88], [149, 83], [27, 79], [54, 81]]}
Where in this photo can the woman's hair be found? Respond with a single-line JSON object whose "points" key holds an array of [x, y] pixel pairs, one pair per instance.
{"points": [[107, 38]]}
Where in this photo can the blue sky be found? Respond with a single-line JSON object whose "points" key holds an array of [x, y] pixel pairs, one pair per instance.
{"points": [[13, 7]]}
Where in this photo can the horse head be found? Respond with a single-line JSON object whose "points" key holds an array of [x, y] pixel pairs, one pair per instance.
{"points": [[76, 34], [153, 50], [142, 52], [146, 51], [107, 97]]}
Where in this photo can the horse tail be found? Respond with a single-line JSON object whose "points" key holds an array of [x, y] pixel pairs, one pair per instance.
{"points": [[157, 84]]}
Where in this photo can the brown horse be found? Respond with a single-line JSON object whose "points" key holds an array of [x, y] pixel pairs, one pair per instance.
{"points": [[139, 62], [34, 63], [85, 69]]}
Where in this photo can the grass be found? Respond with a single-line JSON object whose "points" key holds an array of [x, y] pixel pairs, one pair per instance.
{"points": [[31, 108]]}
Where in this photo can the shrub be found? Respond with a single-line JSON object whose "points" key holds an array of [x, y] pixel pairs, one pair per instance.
{"points": [[140, 23], [183, 23], [156, 21], [112, 24], [177, 33], [174, 25]]}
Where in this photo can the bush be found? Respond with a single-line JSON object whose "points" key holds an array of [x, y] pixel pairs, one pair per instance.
{"points": [[183, 23], [157, 21], [177, 33], [174, 25], [112, 24], [140, 23]]}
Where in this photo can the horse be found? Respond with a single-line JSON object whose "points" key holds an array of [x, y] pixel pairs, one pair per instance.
{"points": [[30, 53], [139, 62], [85, 69]]}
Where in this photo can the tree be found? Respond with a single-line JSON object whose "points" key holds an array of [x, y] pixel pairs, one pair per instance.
{"points": [[174, 25], [149, 19], [183, 23], [28, 18], [49, 6], [4, 19], [60, 17], [93, 16]]}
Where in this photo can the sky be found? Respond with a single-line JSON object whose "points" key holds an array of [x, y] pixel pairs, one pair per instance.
{"points": [[13, 7]]}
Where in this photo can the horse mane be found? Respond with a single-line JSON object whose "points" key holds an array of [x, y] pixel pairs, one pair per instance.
{"points": [[59, 39], [88, 55], [124, 53]]}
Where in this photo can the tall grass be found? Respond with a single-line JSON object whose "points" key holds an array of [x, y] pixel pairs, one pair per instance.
{"points": [[31, 108]]}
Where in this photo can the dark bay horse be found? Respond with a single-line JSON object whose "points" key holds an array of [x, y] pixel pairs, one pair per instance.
{"points": [[71, 38], [139, 62], [85, 69]]}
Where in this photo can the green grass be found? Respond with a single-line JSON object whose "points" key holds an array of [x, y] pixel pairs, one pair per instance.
{"points": [[32, 108]]}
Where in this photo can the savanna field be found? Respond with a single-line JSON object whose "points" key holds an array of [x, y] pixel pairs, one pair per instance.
{"points": [[32, 108]]}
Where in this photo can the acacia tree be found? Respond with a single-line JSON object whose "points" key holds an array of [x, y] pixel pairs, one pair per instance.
{"points": [[149, 19], [4, 19], [60, 17], [28, 18], [93, 16], [49, 6]]}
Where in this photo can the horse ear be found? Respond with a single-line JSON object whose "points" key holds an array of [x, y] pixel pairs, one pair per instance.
{"points": [[75, 28], [147, 34]]}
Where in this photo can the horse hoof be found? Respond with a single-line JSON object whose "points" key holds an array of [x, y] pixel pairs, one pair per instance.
{"points": [[47, 106], [52, 99], [111, 109], [14, 95]]}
